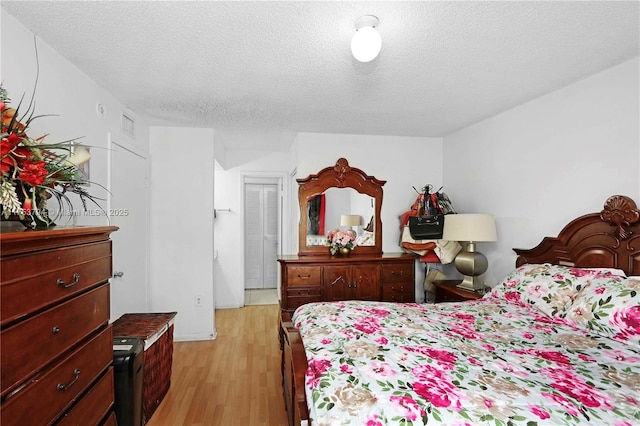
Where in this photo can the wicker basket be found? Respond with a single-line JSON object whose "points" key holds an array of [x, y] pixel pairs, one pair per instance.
{"points": [[156, 329]]}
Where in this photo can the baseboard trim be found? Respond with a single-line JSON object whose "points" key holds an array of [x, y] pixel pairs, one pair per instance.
{"points": [[195, 337]]}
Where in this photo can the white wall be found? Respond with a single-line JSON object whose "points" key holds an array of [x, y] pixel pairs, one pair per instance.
{"points": [[402, 161], [541, 164], [181, 231], [229, 226], [67, 94], [71, 96]]}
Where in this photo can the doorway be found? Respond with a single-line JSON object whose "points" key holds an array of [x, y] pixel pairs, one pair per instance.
{"points": [[261, 232]]}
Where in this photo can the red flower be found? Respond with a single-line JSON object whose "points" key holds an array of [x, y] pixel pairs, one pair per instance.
{"points": [[11, 154], [23, 154], [13, 140], [539, 411], [627, 322], [316, 368], [33, 173], [6, 162]]}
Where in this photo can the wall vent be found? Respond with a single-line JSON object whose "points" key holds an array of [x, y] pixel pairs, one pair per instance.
{"points": [[128, 126]]}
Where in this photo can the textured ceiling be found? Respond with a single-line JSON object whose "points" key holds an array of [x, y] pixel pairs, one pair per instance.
{"points": [[273, 68]]}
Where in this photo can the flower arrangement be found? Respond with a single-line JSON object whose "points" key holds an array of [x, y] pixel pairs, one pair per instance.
{"points": [[338, 238], [31, 171]]}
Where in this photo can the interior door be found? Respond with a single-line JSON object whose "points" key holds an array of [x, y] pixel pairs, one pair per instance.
{"points": [[128, 211], [261, 205]]}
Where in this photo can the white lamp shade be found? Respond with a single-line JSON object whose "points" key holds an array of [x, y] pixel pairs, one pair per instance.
{"points": [[350, 220], [366, 44], [469, 227]]}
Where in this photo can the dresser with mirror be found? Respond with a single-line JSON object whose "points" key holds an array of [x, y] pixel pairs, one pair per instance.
{"points": [[366, 273]]}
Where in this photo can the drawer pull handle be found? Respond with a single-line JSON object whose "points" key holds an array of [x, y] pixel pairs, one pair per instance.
{"points": [[76, 279], [397, 273], [300, 292], [76, 374], [56, 329], [305, 277]]}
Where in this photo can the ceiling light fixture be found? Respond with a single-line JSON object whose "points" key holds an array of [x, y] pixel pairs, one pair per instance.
{"points": [[366, 42]]}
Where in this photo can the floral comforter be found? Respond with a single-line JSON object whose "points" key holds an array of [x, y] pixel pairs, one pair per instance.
{"points": [[485, 362]]}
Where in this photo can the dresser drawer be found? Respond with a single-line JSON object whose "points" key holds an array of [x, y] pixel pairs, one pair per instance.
{"points": [[303, 275], [390, 294], [398, 292], [58, 388], [19, 267], [397, 273], [300, 296], [22, 296], [93, 406], [303, 292], [29, 345]]}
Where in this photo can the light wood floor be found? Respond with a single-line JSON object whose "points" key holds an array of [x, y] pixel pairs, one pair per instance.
{"points": [[234, 380]]}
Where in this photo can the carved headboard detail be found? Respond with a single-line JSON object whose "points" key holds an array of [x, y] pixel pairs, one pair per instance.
{"points": [[622, 212], [609, 239]]}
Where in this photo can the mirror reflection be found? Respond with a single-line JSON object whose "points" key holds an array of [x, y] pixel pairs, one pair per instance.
{"points": [[343, 208]]}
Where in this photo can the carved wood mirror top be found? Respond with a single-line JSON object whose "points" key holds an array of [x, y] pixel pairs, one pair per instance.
{"points": [[341, 175]]}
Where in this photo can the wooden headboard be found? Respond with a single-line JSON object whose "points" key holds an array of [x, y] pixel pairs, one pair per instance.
{"points": [[610, 238]]}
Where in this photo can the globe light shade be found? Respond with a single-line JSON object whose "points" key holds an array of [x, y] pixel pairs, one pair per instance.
{"points": [[366, 44]]}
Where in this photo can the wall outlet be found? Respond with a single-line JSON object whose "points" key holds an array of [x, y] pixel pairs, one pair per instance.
{"points": [[197, 301]]}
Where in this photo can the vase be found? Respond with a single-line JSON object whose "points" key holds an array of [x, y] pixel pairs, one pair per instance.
{"points": [[11, 220], [344, 251], [26, 221]]}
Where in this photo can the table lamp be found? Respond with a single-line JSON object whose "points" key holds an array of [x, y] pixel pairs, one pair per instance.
{"points": [[471, 228], [351, 221]]}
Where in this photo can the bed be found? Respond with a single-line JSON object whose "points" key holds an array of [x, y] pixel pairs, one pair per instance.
{"points": [[557, 341]]}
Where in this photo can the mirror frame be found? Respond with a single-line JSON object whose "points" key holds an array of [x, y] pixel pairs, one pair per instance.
{"points": [[339, 176]]}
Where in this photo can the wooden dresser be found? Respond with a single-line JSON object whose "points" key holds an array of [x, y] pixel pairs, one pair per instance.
{"points": [[56, 344], [387, 277]]}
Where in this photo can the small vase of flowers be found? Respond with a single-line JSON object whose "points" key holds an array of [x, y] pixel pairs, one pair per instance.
{"points": [[342, 241]]}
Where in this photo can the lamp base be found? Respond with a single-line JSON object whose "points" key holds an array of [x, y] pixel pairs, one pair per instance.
{"points": [[471, 264], [471, 283]]}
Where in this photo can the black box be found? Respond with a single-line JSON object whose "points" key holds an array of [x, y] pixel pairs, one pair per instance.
{"points": [[128, 364]]}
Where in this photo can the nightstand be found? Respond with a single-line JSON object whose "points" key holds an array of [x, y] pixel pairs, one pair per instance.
{"points": [[446, 291]]}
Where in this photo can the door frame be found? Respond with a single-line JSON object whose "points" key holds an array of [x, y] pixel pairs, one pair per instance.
{"points": [[283, 216], [123, 141], [251, 185]]}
